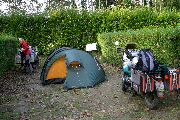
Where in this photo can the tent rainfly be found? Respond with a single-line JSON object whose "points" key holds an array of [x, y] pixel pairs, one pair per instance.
{"points": [[75, 68]]}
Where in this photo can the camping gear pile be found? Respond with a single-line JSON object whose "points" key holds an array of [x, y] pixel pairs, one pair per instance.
{"points": [[145, 76], [75, 68], [20, 57]]}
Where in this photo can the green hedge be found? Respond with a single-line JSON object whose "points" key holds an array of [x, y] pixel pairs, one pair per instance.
{"points": [[8, 48], [163, 42], [125, 19], [70, 27]]}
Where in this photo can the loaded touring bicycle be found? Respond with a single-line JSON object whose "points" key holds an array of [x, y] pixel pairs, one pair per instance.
{"points": [[34, 60]]}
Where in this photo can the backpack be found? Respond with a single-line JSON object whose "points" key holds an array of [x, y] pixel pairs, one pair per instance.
{"points": [[147, 61]]}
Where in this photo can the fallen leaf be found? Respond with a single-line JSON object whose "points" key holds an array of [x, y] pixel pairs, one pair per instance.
{"points": [[146, 109], [38, 113], [81, 115]]}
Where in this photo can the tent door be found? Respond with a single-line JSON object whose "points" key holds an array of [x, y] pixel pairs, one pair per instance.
{"points": [[57, 69]]}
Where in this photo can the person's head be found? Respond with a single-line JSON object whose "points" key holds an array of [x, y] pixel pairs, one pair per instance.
{"points": [[21, 40]]}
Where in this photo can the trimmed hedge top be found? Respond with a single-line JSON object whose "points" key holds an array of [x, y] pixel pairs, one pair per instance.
{"points": [[8, 48], [163, 42], [75, 28]]}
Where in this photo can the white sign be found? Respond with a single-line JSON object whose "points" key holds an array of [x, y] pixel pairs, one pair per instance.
{"points": [[117, 43], [90, 47]]}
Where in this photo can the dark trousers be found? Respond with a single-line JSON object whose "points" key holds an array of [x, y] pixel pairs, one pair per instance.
{"points": [[29, 67]]}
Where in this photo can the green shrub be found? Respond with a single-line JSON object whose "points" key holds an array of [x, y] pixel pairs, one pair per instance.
{"points": [[119, 19], [8, 48], [70, 27], [163, 42]]}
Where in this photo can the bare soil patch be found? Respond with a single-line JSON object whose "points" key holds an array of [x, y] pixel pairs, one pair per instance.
{"points": [[24, 98]]}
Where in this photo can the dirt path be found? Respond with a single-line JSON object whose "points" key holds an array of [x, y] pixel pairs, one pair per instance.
{"points": [[24, 98]]}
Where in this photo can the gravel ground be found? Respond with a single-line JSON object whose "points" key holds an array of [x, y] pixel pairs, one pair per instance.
{"points": [[24, 98]]}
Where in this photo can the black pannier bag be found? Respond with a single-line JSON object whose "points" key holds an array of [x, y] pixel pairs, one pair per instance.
{"points": [[147, 61]]}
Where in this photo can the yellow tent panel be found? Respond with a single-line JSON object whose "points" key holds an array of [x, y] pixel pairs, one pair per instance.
{"points": [[57, 69]]}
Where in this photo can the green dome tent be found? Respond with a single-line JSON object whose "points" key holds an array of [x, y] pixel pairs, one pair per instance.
{"points": [[75, 68]]}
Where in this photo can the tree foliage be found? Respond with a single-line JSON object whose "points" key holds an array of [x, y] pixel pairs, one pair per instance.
{"points": [[35, 6]]}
